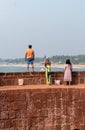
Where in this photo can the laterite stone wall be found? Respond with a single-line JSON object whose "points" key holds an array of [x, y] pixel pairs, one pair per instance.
{"points": [[37, 78], [50, 108], [41, 108]]}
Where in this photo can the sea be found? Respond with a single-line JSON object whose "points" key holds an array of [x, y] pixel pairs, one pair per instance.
{"points": [[36, 69]]}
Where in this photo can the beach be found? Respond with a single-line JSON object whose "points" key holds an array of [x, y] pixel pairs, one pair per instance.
{"points": [[42, 65]]}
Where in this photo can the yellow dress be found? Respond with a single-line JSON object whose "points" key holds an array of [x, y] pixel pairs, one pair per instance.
{"points": [[48, 76]]}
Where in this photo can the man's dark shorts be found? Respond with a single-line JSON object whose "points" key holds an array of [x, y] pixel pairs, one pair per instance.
{"points": [[30, 60]]}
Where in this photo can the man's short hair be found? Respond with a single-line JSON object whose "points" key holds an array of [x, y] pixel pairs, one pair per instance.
{"points": [[30, 46]]}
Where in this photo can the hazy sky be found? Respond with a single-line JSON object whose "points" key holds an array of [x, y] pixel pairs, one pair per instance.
{"points": [[53, 27]]}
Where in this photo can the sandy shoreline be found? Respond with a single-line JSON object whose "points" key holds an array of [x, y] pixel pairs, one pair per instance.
{"points": [[42, 65]]}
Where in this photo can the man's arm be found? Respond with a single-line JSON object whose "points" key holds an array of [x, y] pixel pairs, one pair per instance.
{"points": [[33, 55], [25, 56]]}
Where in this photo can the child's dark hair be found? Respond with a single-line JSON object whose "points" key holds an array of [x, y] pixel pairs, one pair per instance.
{"points": [[68, 61]]}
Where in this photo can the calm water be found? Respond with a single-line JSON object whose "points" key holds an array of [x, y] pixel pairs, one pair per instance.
{"points": [[24, 69]]}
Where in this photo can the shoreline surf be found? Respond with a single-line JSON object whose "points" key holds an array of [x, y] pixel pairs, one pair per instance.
{"points": [[41, 65]]}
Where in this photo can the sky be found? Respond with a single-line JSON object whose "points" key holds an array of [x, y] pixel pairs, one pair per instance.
{"points": [[53, 27]]}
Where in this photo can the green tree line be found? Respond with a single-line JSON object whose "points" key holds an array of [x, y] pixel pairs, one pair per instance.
{"points": [[61, 59]]}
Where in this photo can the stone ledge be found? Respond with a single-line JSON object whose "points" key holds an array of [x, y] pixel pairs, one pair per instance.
{"points": [[40, 87]]}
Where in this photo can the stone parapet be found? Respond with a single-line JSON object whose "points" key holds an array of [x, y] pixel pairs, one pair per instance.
{"points": [[30, 78]]}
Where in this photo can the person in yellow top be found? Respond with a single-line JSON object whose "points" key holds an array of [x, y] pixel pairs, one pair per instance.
{"points": [[48, 71], [29, 57]]}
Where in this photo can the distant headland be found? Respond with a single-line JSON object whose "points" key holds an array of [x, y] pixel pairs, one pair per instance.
{"points": [[58, 59]]}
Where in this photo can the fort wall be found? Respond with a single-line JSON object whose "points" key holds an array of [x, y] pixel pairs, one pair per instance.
{"points": [[36, 106], [42, 108], [37, 78]]}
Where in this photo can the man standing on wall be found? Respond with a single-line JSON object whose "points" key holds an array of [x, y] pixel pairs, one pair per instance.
{"points": [[29, 57]]}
